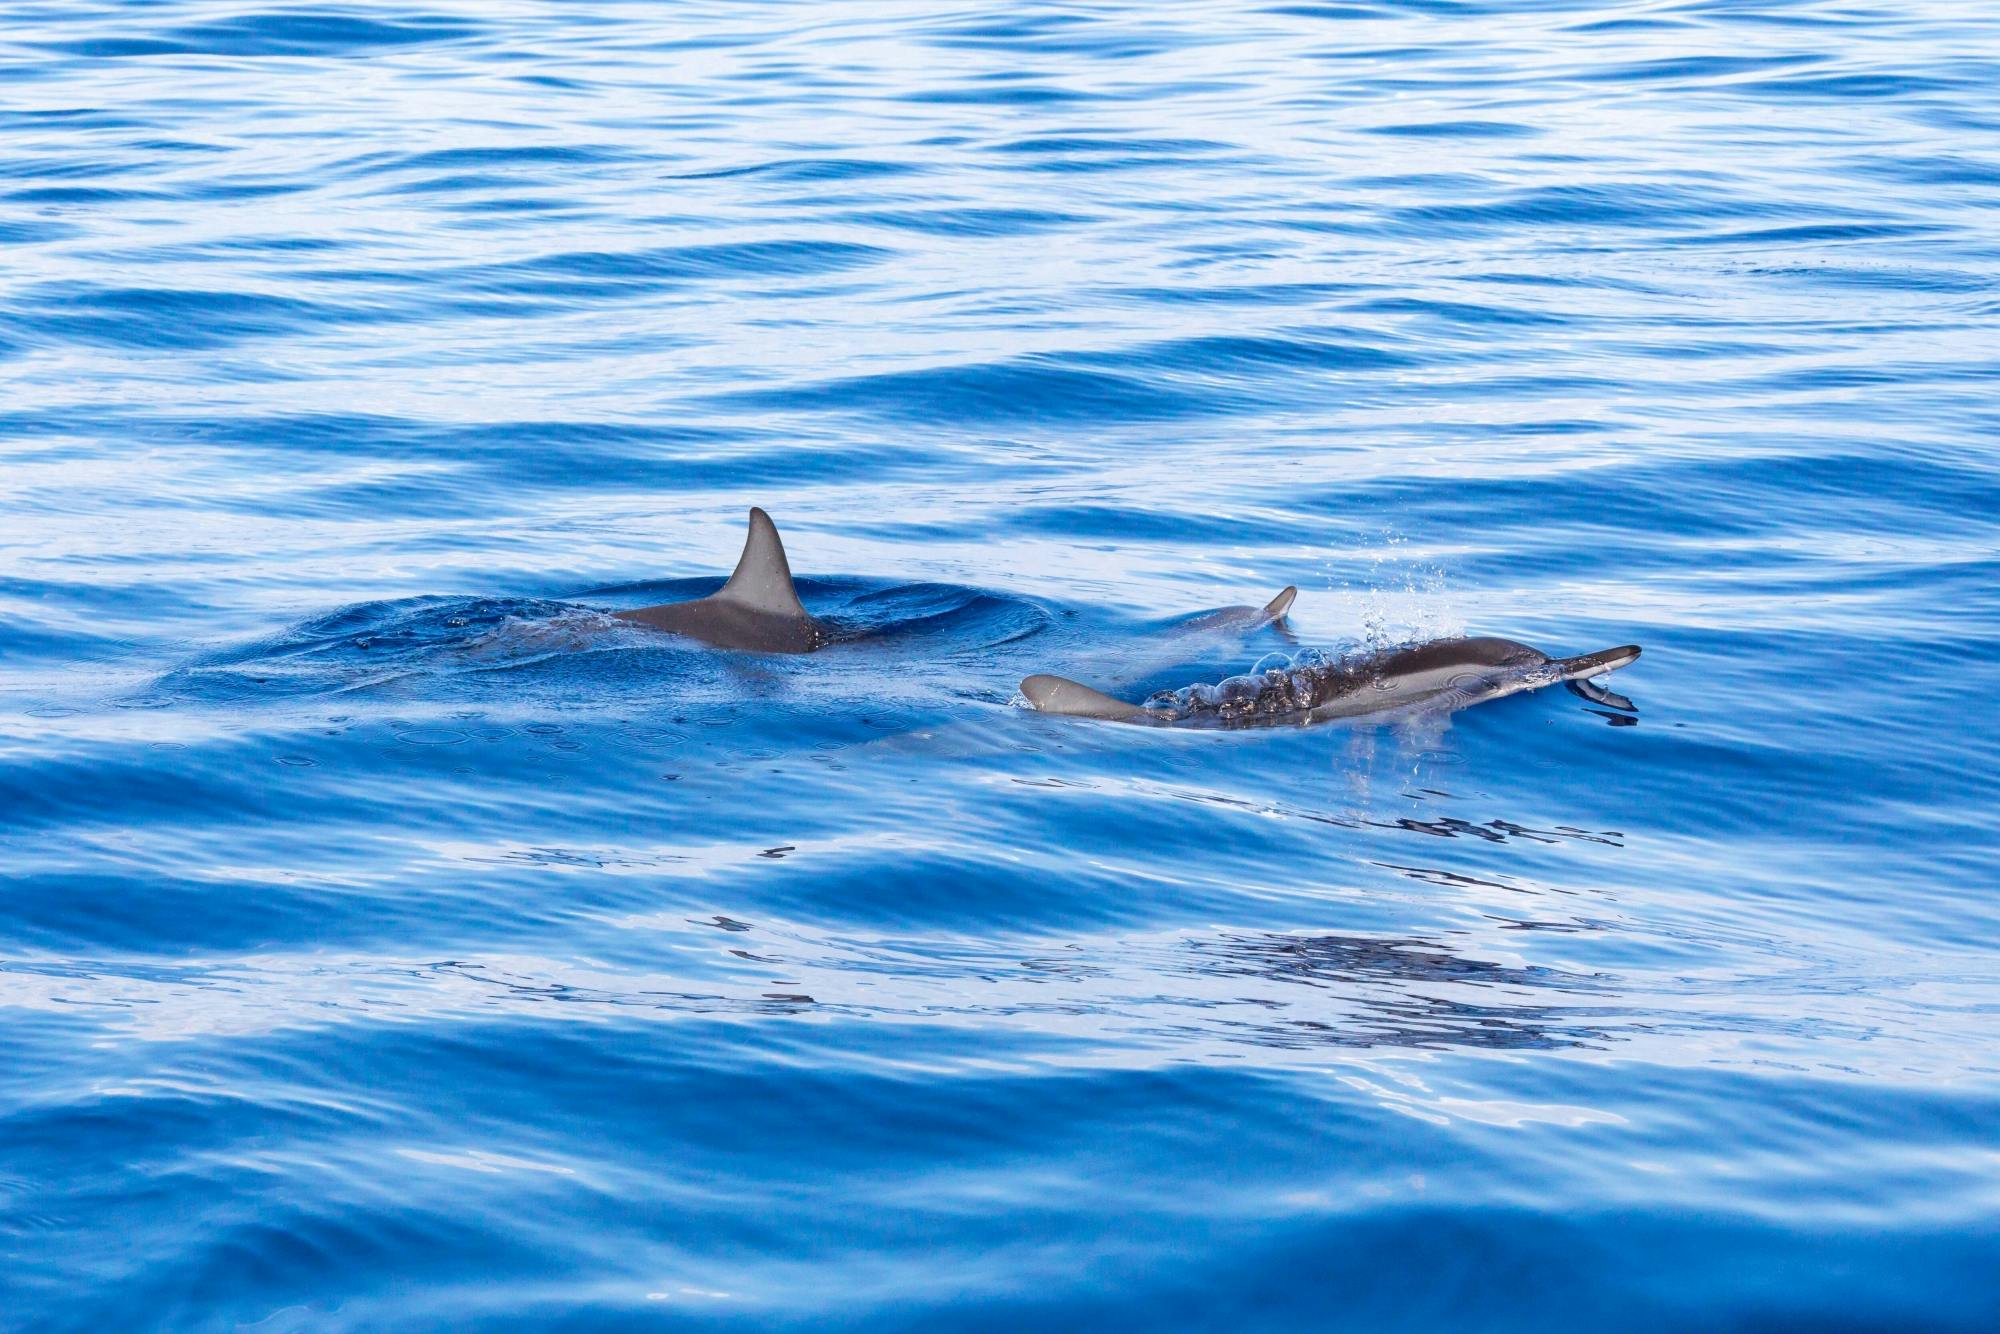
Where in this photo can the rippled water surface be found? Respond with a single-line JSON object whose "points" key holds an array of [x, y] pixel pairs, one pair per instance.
{"points": [[389, 939]]}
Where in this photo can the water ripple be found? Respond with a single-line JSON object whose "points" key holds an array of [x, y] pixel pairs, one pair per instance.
{"points": [[392, 939]]}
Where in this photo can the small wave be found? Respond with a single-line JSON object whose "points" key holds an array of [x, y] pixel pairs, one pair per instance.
{"points": [[405, 641], [371, 644]]}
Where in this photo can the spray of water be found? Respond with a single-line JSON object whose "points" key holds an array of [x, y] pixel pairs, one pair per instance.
{"points": [[1402, 598]]}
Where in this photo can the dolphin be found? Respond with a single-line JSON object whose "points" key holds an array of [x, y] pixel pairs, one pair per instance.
{"points": [[757, 610], [1444, 672], [1241, 618]]}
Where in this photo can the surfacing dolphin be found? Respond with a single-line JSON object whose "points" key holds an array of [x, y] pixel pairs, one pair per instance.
{"points": [[1447, 673], [1242, 619], [758, 609]]}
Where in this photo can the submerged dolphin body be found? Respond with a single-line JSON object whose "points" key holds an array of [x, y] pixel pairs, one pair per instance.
{"points": [[1241, 618], [1445, 672], [758, 609]]}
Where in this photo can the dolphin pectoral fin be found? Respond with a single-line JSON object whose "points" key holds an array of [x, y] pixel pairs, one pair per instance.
{"points": [[762, 581], [1072, 699], [1275, 609], [1597, 694]]}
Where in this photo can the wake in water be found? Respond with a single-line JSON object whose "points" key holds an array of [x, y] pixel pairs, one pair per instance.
{"points": [[759, 611], [882, 643], [418, 645], [374, 644]]}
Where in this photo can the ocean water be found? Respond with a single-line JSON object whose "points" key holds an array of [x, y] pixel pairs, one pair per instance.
{"points": [[391, 941]]}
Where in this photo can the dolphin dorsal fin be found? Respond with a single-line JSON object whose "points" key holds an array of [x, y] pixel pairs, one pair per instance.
{"points": [[763, 578], [1279, 605]]}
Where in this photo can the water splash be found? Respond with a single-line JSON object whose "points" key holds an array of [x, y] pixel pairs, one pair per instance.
{"points": [[1401, 597]]}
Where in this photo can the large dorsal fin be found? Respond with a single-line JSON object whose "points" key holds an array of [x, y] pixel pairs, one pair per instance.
{"points": [[763, 578], [1276, 608]]}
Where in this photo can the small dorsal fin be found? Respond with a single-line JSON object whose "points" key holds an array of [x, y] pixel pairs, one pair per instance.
{"points": [[763, 578], [1279, 605]]}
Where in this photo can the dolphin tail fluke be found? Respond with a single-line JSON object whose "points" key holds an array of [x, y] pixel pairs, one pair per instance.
{"points": [[1072, 699], [1275, 609], [763, 578]]}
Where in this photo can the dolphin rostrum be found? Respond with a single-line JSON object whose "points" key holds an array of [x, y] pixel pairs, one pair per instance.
{"points": [[758, 609], [1445, 672]]}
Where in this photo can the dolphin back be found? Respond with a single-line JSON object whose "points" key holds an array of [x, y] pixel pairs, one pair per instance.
{"points": [[1073, 699], [758, 609]]}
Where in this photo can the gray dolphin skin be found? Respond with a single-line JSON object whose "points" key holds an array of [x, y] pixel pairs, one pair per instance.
{"points": [[1240, 620], [757, 610], [1447, 673]]}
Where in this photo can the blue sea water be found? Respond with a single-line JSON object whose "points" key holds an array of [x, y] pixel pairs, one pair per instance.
{"points": [[391, 941]]}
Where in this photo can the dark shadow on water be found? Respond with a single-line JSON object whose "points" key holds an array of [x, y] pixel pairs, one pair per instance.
{"points": [[1384, 992]]}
